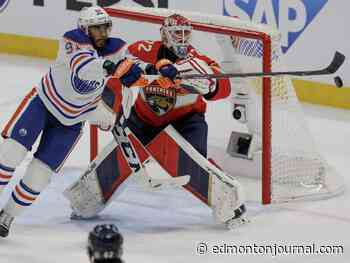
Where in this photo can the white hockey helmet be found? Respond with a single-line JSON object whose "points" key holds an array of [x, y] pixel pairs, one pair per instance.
{"points": [[176, 34], [93, 16]]}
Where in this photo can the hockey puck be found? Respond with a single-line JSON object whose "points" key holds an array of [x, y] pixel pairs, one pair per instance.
{"points": [[338, 81]]}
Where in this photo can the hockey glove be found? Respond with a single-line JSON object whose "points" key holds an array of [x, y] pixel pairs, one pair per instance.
{"points": [[127, 71], [167, 69], [201, 86], [163, 81], [150, 69]]}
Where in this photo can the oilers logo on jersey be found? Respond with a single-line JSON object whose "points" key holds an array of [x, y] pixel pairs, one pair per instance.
{"points": [[72, 88], [86, 86]]}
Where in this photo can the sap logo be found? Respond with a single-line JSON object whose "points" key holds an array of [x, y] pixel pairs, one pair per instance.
{"points": [[3, 4], [291, 17]]}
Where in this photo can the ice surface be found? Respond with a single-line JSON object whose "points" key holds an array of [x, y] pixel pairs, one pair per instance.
{"points": [[166, 226]]}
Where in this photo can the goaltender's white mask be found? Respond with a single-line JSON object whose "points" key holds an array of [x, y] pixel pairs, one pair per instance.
{"points": [[176, 33]]}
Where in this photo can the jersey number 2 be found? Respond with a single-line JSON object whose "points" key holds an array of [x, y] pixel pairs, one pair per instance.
{"points": [[146, 46]]}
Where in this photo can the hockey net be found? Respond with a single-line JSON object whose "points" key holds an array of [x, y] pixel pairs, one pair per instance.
{"points": [[284, 157]]}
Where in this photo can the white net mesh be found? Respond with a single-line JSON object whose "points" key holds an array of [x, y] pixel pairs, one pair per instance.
{"points": [[297, 169]]}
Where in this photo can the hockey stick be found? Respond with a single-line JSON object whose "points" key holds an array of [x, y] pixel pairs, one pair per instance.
{"points": [[120, 134], [333, 67], [336, 63], [126, 146]]}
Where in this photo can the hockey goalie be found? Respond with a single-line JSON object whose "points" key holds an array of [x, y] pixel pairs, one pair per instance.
{"points": [[162, 139]]}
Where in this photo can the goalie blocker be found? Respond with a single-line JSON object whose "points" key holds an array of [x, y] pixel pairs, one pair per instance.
{"points": [[162, 161]]}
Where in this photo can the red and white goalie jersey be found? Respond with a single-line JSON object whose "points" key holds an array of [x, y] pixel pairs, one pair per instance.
{"points": [[159, 106]]}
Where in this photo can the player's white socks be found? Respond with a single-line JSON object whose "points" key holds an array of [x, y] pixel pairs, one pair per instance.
{"points": [[36, 178], [11, 155], [5, 175]]}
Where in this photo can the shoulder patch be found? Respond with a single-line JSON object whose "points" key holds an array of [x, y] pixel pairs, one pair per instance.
{"points": [[77, 36], [113, 45]]}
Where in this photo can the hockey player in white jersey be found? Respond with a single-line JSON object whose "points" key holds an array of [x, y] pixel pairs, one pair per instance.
{"points": [[57, 107]]}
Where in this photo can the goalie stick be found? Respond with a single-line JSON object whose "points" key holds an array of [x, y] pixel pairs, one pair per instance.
{"points": [[336, 63], [120, 134]]}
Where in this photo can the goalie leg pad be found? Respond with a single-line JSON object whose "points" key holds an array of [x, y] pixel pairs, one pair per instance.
{"points": [[103, 179], [163, 149], [177, 162], [195, 131], [226, 199], [227, 193], [85, 196], [106, 176]]}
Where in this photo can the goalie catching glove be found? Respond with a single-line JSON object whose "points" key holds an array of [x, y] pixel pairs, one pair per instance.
{"points": [[170, 72], [195, 66], [188, 66]]}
